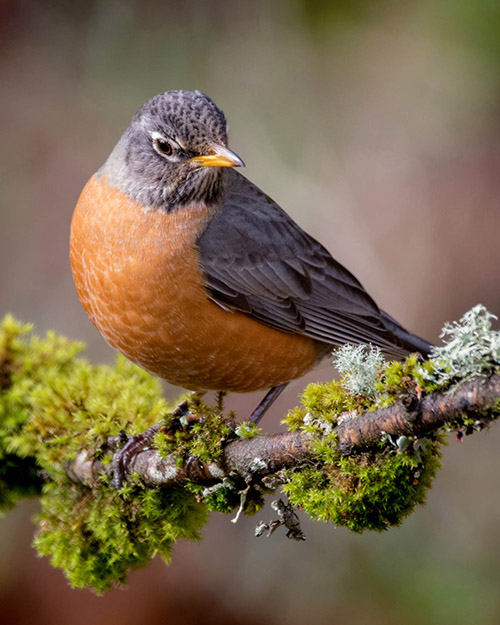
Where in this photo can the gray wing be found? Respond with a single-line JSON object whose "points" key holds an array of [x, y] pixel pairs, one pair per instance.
{"points": [[258, 261]]}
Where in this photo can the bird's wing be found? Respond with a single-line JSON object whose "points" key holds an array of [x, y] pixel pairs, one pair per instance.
{"points": [[258, 261]]}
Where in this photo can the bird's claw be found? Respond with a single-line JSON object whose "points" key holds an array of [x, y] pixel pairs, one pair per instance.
{"points": [[130, 447], [126, 448]]}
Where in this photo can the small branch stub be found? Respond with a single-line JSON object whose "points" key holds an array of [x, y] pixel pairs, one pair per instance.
{"points": [[287, 517]]}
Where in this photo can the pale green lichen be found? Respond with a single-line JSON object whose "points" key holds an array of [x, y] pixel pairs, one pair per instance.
{"points": [[471, 349], [359, 367]]}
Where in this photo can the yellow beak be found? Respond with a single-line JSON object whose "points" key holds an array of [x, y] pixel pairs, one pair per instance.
{"points": [[220, 157]]}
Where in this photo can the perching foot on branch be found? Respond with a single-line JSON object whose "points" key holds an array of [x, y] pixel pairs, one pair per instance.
{"points": [[130, 446], [127, 447]]}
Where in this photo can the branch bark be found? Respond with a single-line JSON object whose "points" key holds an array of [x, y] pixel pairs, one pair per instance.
{"points": [[266, 455]]}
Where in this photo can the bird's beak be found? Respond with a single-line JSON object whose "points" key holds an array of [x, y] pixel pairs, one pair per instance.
{"points": [[219, 157]]}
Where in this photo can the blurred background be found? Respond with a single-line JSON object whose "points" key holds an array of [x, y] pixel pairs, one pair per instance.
{"points": [[376, 125]]}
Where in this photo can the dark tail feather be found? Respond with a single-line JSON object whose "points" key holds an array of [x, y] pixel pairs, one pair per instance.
{"points": [[405, 340]]}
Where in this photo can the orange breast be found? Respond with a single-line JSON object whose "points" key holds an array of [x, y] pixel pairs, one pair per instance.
{"points": [[137, 274]]}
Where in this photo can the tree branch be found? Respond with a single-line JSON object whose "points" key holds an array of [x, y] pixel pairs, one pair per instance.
{"points": [[266, 455], [361, 471]]}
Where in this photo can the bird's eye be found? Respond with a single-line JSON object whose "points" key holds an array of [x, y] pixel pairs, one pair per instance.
{"points": [[162, 146]]}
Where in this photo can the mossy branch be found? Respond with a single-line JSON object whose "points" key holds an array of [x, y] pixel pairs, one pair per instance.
{"points": [[256, 458], [361, 452], [466, 407]]}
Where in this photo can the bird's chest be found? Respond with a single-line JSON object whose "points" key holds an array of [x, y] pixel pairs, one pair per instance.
{"points": [[138, 277], [136, 270]]}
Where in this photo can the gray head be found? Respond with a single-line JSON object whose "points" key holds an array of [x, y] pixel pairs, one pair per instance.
{"points": [[173, 153]]}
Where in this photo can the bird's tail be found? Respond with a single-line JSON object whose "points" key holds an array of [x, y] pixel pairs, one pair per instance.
{"points": [[405, 340]]}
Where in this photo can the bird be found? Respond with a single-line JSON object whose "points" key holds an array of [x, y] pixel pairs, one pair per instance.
{"points": [[195, 274]]}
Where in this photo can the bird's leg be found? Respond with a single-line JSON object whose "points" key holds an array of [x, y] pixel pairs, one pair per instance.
{"points": [[220, 396], [130, 446], [269, 398], [182, 407]]}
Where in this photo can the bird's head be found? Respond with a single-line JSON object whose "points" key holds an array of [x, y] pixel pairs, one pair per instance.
{"points": [[173, 152]]}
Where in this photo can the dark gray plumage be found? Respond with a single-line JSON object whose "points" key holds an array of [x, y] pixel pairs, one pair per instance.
{"points": [[258, 261], [191, 124]]}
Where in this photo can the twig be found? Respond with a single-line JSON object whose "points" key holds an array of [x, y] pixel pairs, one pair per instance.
{"points": [[287, 517]]}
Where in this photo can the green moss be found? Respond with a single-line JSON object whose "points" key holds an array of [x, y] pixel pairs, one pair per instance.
{"points": [[227, 496], [325, 400], [97, 536], [23, 365], [371, 490], [374, 489], [52, 405], [247, 429], [221, 497], [203, 438], [86, 406], [425, 377], [321, 404]]}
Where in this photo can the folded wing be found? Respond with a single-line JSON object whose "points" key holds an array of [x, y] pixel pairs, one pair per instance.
{"points": [[258, 261]]}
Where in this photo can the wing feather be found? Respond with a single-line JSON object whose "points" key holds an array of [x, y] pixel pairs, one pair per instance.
{"points": [[258, 261]]}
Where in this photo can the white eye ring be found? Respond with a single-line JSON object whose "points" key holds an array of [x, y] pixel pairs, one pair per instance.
{"points": [[163, 146]]}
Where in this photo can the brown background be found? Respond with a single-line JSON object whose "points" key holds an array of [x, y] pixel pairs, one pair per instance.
{"points": [[375, 124]]}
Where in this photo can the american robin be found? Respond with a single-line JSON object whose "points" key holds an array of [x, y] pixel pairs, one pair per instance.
{"points": [[193, 273]]}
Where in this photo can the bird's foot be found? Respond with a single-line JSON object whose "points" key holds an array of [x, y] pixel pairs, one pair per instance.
{"points": [[128, 447]]}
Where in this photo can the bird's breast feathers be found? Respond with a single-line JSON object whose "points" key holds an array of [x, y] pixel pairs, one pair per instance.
{"points": [[138, 276]]}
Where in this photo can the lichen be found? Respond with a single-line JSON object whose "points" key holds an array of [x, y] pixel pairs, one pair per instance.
{"points": [[359, 366], [471, 349]]}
